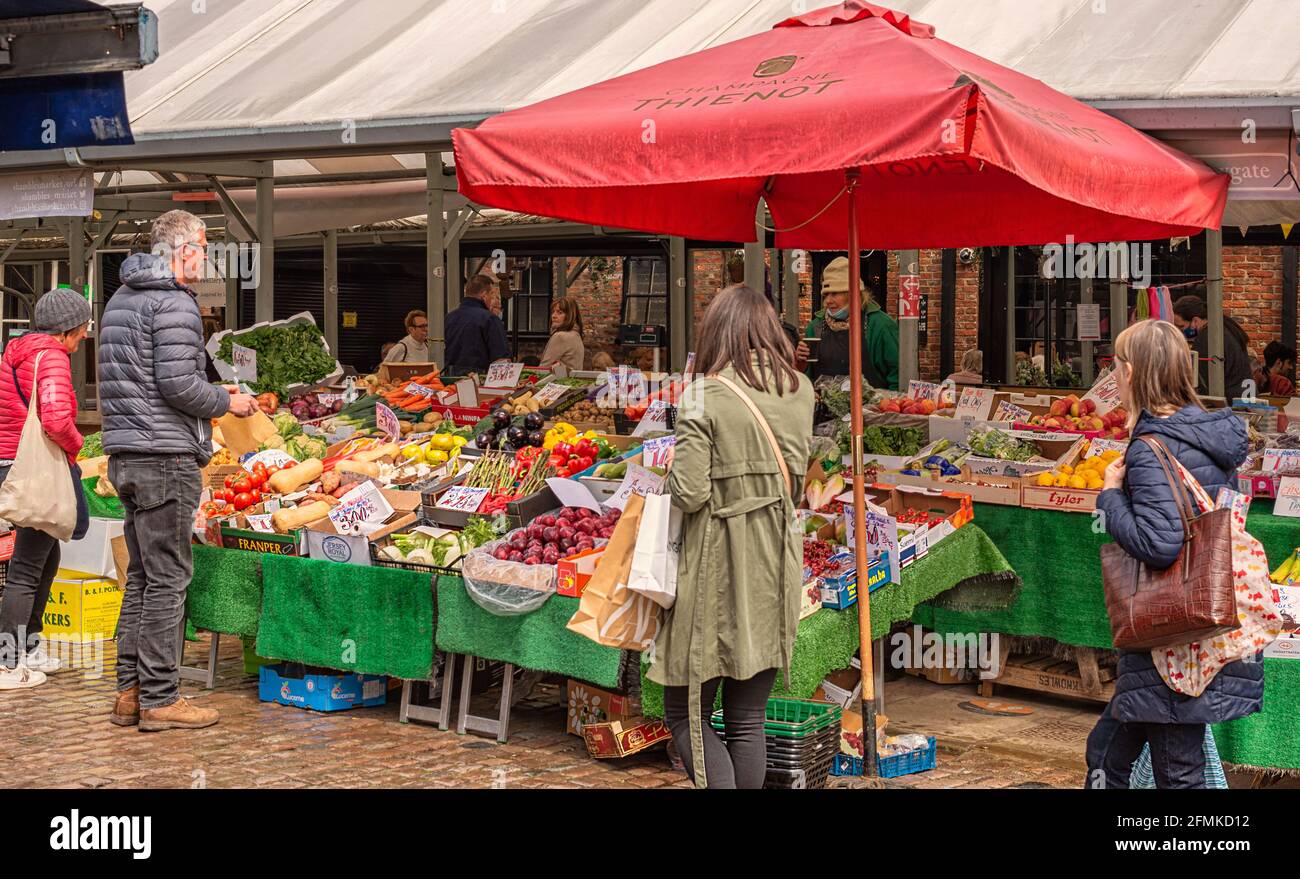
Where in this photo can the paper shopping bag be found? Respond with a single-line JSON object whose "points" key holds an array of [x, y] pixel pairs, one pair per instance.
{"points": [[654, 561], [609, 613]]}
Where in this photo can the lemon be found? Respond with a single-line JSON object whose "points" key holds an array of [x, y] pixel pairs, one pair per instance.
{"points": [[412, 451], [1078, 482], [1061, 480], [436, 456], [459, 441], [1067, 470], [1045, 479]]}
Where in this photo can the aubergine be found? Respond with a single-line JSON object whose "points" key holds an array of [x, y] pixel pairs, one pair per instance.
{"points": [[536, 438], [500, 419], [487, 439], [533, 421], [517, 435]]}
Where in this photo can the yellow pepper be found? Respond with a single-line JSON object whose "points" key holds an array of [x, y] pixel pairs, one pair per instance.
{"points": [[566, 429]]}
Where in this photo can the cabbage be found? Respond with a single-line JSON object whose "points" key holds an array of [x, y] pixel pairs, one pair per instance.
{"points": [[303, 447], [286, 425]]}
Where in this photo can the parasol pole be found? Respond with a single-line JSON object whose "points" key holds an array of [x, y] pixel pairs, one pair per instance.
{"points": [[859, 481]]}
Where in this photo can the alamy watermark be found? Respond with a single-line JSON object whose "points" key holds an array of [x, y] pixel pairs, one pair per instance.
{"points": [[218, 261], [1114, 260], [916, 648]]}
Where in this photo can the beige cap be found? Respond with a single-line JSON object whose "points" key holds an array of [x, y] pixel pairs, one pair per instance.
{"points": [[835, 277]]}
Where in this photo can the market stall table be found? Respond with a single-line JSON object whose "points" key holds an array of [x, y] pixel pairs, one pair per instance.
{"points": [[1057, 557]]}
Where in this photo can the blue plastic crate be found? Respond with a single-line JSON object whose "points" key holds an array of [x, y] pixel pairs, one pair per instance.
{"points": [[920, 760]]}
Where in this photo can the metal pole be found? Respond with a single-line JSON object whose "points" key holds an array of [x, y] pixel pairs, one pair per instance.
{"points": [[265, 308], [435, 257], [1214, 313], [77, 280], [231, 318], [755, 269], [865, 650], [1011, 315], [331, 287], [678, 306], [790, 287], [1085, 298], [908, 338], [454, 269], [1118, 304]]}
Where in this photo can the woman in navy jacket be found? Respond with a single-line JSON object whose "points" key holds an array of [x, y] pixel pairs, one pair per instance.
{"points": [[1157, 385]]}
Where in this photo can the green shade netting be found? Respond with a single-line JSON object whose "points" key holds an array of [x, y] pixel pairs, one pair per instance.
{"points": [[538, 640], [355, 618], [828, 639]]}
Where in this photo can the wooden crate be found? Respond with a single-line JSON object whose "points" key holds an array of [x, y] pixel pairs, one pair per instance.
{"points": [[1044, 673]]}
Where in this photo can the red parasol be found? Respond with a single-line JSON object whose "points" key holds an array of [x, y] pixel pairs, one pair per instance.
{"points": [[849, 118]]}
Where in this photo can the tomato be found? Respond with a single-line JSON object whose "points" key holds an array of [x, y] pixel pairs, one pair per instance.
{"points": [[257, 496], [220, 495], [242, 484], [230, 480], [243, 500], [259, 478]]}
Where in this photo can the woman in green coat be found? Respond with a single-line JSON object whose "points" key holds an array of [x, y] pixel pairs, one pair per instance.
{"points": [[741, 562]]}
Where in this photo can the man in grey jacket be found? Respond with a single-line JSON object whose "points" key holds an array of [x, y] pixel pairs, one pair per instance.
{"points": [[157, 409]]}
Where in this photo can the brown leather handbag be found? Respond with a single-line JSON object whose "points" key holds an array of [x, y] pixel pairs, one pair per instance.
{"points": [[1194, 599]]}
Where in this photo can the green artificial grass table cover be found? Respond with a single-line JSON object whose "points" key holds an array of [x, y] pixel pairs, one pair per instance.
{"points": [[538, 640], [356, 618], [225, 594], [1270, 740], [828, 639]]}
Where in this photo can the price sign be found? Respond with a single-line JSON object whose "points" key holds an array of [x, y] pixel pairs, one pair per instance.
{"points": [[1099, 445], [362, 506], [1011, 412], [244, 360], [655, 418], [387, 422], [656, 452], [629, 383], [261, 523], [919, 390], [503, 374], [462, 498], [975, 403], [637, 481], [420, 390], [549, 394], [270, 458], [1104, 393], [1280, 460], [1288, 497], [1089, 323], [330, 399]]}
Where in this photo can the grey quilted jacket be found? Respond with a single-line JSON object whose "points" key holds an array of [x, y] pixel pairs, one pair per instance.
{"points": [[153, 390]]}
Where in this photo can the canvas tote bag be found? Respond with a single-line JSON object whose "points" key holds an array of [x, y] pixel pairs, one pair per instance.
{"points": [[38, 492]]}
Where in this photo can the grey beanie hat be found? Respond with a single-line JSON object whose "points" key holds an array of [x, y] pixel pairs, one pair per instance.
{"points": [[60, 310]]}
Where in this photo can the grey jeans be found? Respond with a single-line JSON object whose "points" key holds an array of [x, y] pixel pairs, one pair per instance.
{"points": [[160, 494]]}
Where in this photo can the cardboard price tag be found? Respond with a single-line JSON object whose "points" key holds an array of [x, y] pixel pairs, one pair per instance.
{"points": [[362, 506], [503, 375], [637, 481], [656, 452], [462, 498], [1100, 444], [420, 390], [655, 418], [466, 393], [270, 458], [387, 422], [1280, 460], [975, 403], [1011, 412], [1104, 393], [244, 360], [1288, 497], [919, 390], [549, 394], [261, 523], [331, 399]]}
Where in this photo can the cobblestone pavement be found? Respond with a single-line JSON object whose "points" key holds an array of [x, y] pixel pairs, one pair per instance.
{"points": [[58, 735]]}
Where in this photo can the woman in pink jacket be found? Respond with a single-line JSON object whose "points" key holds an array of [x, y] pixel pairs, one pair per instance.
{"points": [[60, 323]]}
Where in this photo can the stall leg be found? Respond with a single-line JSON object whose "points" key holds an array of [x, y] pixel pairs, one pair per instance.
{"points": [[205, 676], [498, 726], [426, 713]]}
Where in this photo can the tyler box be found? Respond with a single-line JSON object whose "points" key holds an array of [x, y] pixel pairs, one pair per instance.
{"points": [[590, 704], [1051, 497], [623, 738], [81, 608], [319, 689], [324, 542]]}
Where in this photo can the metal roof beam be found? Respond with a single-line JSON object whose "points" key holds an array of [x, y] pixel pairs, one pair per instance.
{"points": [[106, 40]]}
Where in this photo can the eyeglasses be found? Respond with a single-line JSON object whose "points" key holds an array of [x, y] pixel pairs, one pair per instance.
{"points": [[419, 326]]}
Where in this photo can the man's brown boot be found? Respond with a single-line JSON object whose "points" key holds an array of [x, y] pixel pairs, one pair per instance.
{"points": [[178, 715], [126, 710]]}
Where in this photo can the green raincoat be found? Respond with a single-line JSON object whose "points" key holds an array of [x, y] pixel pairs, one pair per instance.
{"points": [[740, 569]]}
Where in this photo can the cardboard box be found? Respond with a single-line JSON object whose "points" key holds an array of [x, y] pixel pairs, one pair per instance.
{"points": [[226, 371], [952, 505], [623, 738], [517, 512], [401, 372], [842, 687], [839, 590], [239, 536], [589, 704], [324, 542], [1051, 449], [604, 489], [82, 609], [1072, 500], [93, 554], [319, 689], [1003, 490], [810, 599], [1285, 647], [573, 573], [214, 477]]}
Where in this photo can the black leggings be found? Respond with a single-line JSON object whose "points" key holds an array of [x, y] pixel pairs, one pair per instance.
{"points": [[740, 763]]}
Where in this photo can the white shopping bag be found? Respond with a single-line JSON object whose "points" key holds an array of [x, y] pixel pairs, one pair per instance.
{"points": [[654, 560]]}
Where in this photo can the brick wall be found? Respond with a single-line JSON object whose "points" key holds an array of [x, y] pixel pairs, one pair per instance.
{"points": [[1252, 293], [930, 271]]}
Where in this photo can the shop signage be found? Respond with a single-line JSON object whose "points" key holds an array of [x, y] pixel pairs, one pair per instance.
{"points": [[909, 296], [363, 505], [47, 194], [975, 403], [1089, 323]]}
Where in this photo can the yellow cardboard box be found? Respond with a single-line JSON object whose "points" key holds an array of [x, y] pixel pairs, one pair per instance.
{"points": [[82, 608]]}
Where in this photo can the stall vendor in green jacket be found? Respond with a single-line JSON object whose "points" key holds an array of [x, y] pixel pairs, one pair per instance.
{"points": [[831, 325]]}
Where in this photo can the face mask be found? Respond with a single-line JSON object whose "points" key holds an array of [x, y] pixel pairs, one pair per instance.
{"points": [[1189, 332], [839, 314]]}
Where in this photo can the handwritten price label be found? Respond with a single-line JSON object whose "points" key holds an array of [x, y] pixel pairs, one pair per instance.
{"points": [[363, 505], [655, 418], [503, 375], [261, 523], [421, 391], [244, 360], [1288, 497], [387, 422], [637, 481], [919, 390], [975, 403], [1104, 393], [462, 499], [549, 394], [1011, 412], [270, 458], [1100, 445], [1280, 460], [655, 452]]}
